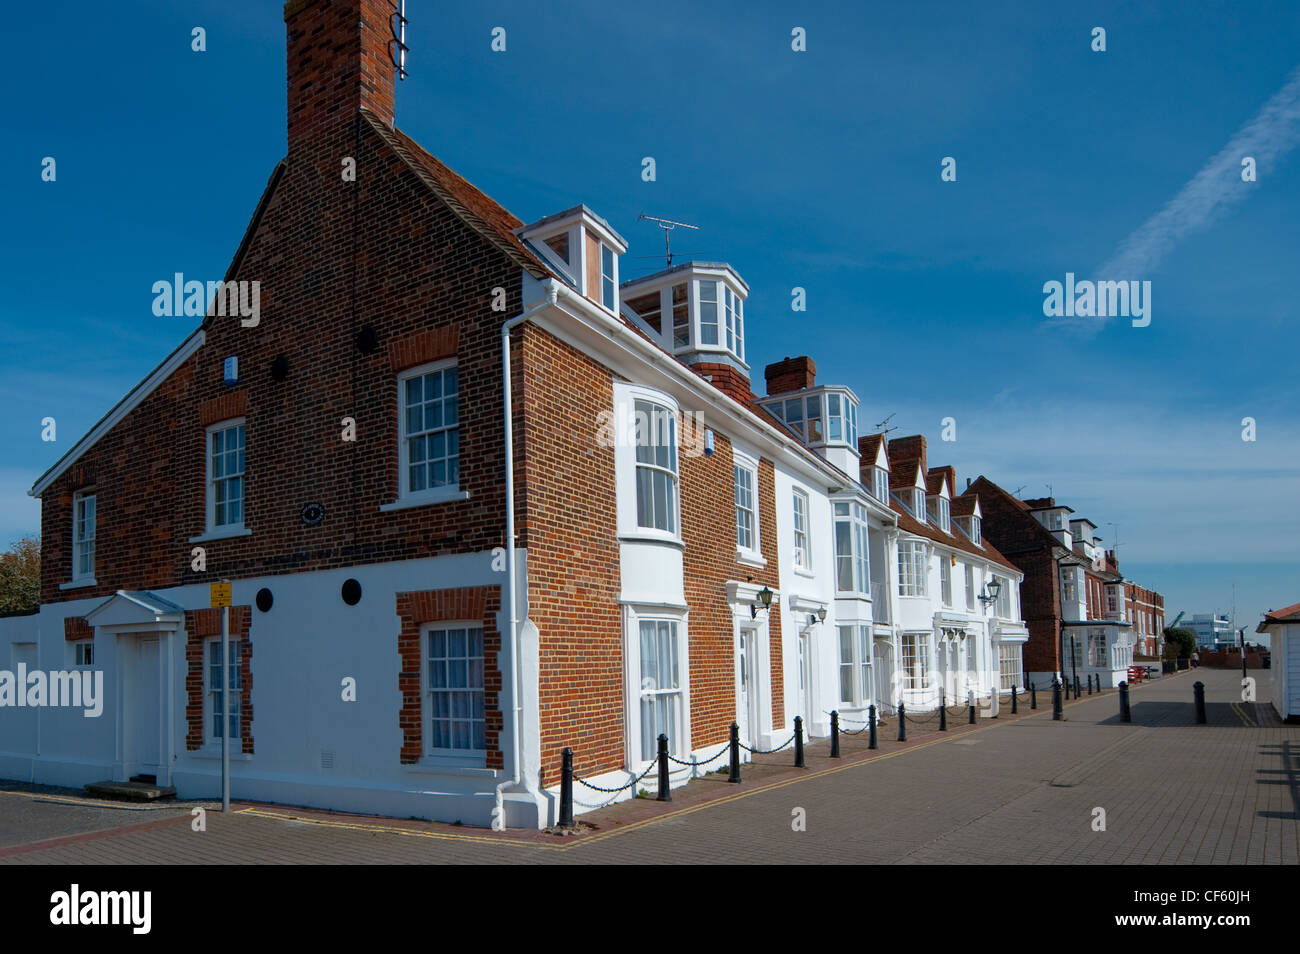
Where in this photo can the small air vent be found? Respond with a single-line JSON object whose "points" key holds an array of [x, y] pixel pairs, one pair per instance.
{"points": [[326, 759], [367, 339]]}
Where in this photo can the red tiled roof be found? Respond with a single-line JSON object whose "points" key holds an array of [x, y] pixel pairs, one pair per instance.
{"points": [[955, 540], [475, 208], [1285, 613]]}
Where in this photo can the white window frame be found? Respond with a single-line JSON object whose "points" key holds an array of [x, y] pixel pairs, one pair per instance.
{"points": [[745, 470], [852, 516], [943, 515], [657, 412], [609, 280], [857, 667], [802, 532], [228, 528], [915, 674], [717, 322], [975, 530], [1003, 606], [918, 503], [449, 491], [945, 579], [880, 485], [970, 586], [212, 688], [1011, 678], [627, 467], [84, 545], [633, 617], [466, 755], [83, 653], [912, 567]]}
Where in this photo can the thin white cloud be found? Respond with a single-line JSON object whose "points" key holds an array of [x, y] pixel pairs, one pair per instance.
{"points": [[1273, 132]]}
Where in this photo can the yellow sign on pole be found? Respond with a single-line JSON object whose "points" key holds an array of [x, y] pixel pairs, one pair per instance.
{"points": [[219, 595]]}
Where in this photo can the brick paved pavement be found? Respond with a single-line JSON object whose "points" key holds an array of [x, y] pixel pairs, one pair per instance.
{"points": [[1019, 791]]}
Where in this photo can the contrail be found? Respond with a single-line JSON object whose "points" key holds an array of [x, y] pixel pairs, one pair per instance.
{"points": [[1271, 134]]}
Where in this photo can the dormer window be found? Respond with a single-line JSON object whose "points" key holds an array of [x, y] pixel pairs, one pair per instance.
{"points": [[880, 484], [734, 314], [941, 514], [975, 531], [707, 302], [841, 419], [918, 504], [608, 278]]}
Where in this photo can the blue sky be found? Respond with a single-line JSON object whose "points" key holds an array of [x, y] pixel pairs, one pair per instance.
{"points": [[817, 169]]}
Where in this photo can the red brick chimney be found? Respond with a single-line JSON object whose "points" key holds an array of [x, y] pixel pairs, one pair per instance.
{"points": [[338, 62], [791, 374], [907, 448]]}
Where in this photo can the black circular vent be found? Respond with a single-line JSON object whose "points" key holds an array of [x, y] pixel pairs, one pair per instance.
{"points": [[367, 339], [351, 592], [264, 599]]}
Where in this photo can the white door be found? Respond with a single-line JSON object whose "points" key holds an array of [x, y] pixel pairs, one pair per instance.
{"points": [[144, 725], [748, 688], [884, 666]]}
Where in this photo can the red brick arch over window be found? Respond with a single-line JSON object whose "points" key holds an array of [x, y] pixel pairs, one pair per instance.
{"points": [[476, 603]]}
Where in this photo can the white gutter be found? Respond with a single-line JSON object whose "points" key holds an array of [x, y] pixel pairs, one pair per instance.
{"points": [[512, 641]]}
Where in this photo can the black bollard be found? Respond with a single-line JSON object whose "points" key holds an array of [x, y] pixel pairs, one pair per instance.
{"points": [[871, 726], [1076, 685], [1198, 693], [971, 700], [1125, 713], [735, 754], [566, 789], [1033, 696], [835, 733], [902, 723], [1056, 699], [798, 742], [1089, 683], [1014, 710], [943, 711], [663, 795]]}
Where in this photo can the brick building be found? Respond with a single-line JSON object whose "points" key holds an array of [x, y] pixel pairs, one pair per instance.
{"points": [[1083, 617], [479, 500]]}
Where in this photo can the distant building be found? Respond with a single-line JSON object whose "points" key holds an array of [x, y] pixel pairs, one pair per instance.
{"points": [[1211, 630]]}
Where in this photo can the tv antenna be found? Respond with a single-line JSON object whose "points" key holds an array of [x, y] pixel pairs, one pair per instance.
{"points": [[667, 225], [1016, 493], [1049, 490], [397, 45], [882, 429]]}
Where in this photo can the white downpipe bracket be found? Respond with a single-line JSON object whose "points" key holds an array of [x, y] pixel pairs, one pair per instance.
{"points": [[515, 683]]}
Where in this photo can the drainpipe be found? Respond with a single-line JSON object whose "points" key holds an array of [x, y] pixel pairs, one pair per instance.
{"points": [[515, 684]]}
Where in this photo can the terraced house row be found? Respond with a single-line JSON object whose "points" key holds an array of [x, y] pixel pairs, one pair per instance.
{"points": [[567, 518]]}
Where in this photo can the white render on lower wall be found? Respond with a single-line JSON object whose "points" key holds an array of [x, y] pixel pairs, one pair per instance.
{"points": [[302, 649]]}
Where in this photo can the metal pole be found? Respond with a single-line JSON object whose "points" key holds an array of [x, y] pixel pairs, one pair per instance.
{"points": [[1014, 710], [835, 733], [1242, 633], [1198, 694], [871, 723], [1125, 713], [566, 789], [970, 698], [225, 709], [1033, 696], [1056, 699], [902, 723], [735, 753], [798, 742], [663, 795], [943, 711], [1074, 665]]}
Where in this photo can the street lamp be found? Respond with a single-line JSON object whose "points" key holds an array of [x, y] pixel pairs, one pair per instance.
{"points": [[992, 589], [764, 597]]}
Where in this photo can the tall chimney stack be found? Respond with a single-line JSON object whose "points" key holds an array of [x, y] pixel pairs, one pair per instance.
{"points": [[338, 62]]}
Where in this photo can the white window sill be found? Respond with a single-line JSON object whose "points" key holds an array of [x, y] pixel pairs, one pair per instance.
{"points": [[750, 558], [651, 536], [221, 533], [434, 765], [807, 573], [213, 751], [77, 584], [424, 500]]}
